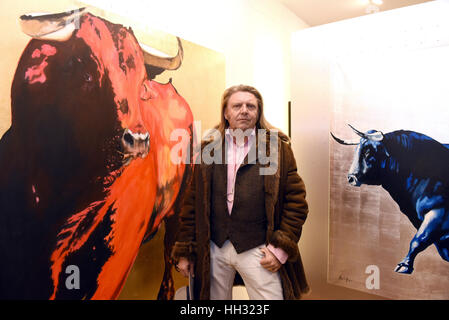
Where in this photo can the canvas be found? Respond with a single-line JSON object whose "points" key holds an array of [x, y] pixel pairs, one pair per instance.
{"points": [[389, 191], [87, 175]]}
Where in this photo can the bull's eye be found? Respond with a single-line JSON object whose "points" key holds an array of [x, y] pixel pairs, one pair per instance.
{"points": [[367, 153], [124, 106], [87, 77]]}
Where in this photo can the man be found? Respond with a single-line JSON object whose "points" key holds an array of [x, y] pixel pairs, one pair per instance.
{"points": [[235, 219]]}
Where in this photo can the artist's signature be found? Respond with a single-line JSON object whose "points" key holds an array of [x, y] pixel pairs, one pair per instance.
{"points": [[344, 278]]}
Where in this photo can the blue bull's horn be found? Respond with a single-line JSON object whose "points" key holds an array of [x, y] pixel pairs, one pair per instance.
{"points": [[54, 26], [359, 133], [373, 136], [346, 143]]}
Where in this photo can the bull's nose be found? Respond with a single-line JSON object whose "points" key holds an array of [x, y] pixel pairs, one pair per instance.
{"points": [[128, 138], [352, 180], [136, 144]]}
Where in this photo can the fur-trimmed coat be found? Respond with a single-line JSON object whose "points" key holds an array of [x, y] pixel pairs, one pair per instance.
{"points": [[286, 210]]}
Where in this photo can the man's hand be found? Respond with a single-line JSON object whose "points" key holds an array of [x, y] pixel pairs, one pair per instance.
{"points": [[185, 267], [270, 262]]}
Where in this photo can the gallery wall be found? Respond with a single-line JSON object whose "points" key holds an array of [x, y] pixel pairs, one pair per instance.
{"points": [[253, 35], [383, 97]]}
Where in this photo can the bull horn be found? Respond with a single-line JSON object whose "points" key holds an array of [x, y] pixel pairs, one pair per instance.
{"points": [[54, 26], [359, 133], [346, 143], [373, 136], [161, 60]]}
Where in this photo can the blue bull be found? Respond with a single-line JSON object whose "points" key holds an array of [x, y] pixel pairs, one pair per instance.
{"points": [[414, 169]]}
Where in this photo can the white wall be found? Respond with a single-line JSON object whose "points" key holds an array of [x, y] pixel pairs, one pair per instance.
{"points": [[253, 35]]}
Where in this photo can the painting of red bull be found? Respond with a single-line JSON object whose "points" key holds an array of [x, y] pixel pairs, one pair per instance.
{"points": [[87, 174]]}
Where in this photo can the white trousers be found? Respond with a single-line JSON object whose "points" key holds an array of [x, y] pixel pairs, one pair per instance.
{"points": [[260, 283]]}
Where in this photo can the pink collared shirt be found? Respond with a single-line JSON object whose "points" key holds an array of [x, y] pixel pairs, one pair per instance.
{"points": [[235, 155]]}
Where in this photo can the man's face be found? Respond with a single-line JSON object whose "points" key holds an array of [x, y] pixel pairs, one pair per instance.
{"points": [[242, 110]]}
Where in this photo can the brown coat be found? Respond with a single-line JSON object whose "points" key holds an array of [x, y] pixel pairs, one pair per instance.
{"points": [[286, 210]]}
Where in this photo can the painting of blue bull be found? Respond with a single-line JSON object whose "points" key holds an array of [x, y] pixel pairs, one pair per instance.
{"points": [[413, 168]]}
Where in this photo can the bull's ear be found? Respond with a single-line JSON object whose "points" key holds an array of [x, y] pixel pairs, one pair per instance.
{"points": [[375, 136], [55, 26]]}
